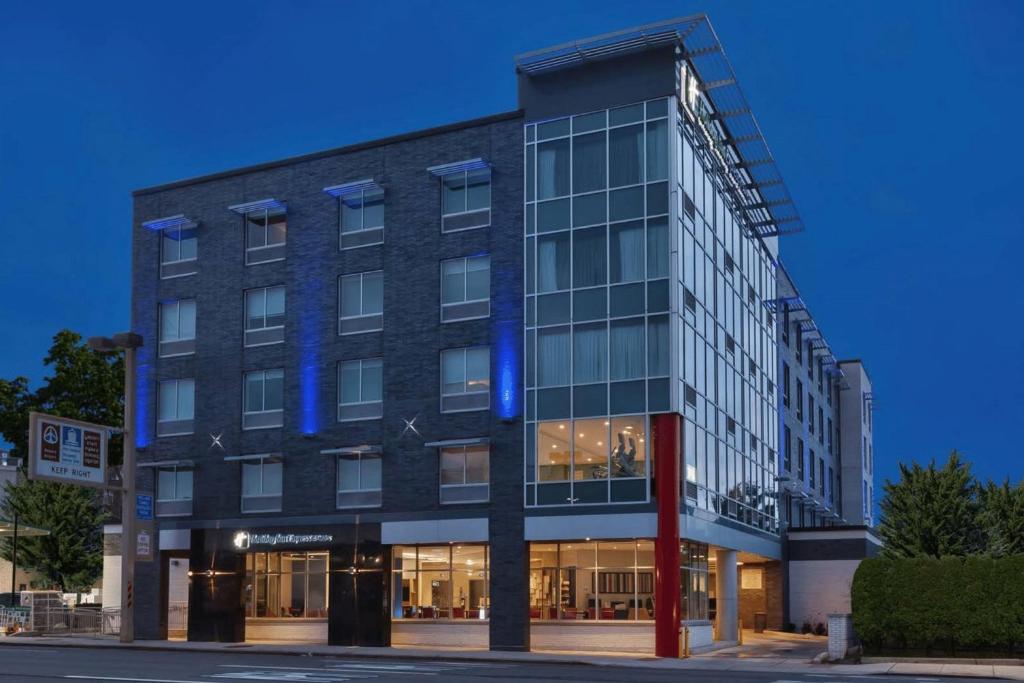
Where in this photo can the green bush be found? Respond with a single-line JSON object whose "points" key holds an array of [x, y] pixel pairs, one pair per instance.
{"points": [[950, 604]]}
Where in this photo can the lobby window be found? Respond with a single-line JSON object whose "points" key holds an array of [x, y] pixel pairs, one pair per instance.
{"points": [[264, 316], [173, 491], [177, 327], [465, 288], [361, 302], [178, 250], [362, 218], [466, 200], [440, 582], [289, 584], [465, 474], [263, 404], [359, 479], [265, 233], [465, 379], [360, 389], [262, 482], [176, 407]]}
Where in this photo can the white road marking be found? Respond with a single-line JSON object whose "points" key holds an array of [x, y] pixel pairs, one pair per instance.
{"points": [[134, 680], [278, 675], [362, 669]]}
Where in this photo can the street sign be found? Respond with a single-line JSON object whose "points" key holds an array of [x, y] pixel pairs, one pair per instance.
{"points": [[144, 506], [67, 451]]}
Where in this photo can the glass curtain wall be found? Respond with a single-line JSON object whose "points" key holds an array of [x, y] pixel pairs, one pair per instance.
{"points": [[289, 584], [440, 582], [597, 301], [727, 349]]}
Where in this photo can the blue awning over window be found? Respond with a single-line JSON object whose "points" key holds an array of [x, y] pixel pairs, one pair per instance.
{"points": [[170, 222], [354, 187], [259, 205], [458, 167]]}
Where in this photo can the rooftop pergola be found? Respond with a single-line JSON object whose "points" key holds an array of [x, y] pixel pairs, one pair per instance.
{"points": [[755, 179]]}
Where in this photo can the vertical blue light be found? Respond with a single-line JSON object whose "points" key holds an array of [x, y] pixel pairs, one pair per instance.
{"points": [[143, 396], [309, 360]]}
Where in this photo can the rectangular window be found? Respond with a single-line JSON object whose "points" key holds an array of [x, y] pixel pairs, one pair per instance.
{"points": [[626, 349], [178, 251], [821, 476], [553, 161], [178, 327], [440, 582], [362, 218], [787, 463], [810, 469], [800, 459], [265, 233], [361, 303], [360, 390], [553, 259], [464, 474], [262, 482], [173, 491], [290, 584], [466, 200], [821, 426], [799, 400], [785, 384], [553, 354], [465, 288], [176, 407], [810, 413], [263, 400], [359, 480], [264, 316], [626, 251], [465, 379]]}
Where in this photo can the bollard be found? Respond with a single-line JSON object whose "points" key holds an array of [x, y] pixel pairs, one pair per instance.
{"points": [[739, 631], [686, 642]]}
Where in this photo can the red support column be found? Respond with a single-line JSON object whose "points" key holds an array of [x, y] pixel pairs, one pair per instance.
{"points": [[667, 429]]}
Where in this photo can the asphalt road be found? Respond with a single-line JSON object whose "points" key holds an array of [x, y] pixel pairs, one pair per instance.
{"points": [[38, 664]]}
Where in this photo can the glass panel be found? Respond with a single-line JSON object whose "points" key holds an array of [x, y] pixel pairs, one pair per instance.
{"points": [[626, 345], [657, 346], [166, 483], [272, 477], [351, 214], [478, 370], [477, 464], [373, 293], [183, 489], [590, 353], [373, 209], [657, 150], [187, 243], [275, 306], [553, 169], [255, 309], [254, 392], [251, 475], [453, 193], [256, 229], [277, 227], [371, 472], [170, 249], [553, 451], [553, 259], [167, 405], [657, 248], [373, 380], [478, 278], [453, 465], [478, 189], [589, 261], [553, 357], [273, 390], [187, 319], [590, 449], [348, 472], [629, 452], [453, 281], [588, 162], [625, 155], [186, 399], [351, 296], [316, 592], [349, 382], [453, 371], [627, 252], [169, 322]]}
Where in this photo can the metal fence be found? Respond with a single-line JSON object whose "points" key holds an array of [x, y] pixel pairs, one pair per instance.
{"points": [[82, 620], [177, 618]]}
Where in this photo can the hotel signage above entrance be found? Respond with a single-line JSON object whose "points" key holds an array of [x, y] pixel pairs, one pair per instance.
{"points": [[244, 540]]}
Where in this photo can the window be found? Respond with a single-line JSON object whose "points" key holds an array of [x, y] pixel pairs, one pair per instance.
{"points": [[821, 476], [589, 452], [440, 582], [264, 316], [785, 384], [553, 258], [799, 343], [800, 459], [626, 349], [360, 389], [178, 250], [464, 474], [553, 161], [262, 484], [799, 400], [810, 413], [176, 407], [362, 217], [361, 303], [810, 468], [465, 288], [265, 232], [290, 584], [178, 327], [465, 379], [626, 251], [263, 400], [787, 463], [821, 426], [359, 479], [553, 353], [173, 491], [466, 200]]}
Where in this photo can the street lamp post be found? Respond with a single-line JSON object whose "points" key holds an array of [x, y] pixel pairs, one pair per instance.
{"points": [[128, 342]]}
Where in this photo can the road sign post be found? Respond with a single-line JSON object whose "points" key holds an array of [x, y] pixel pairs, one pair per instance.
{"points": [[128, 501]]}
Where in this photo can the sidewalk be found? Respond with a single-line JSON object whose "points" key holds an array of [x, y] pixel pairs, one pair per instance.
{"points": [[771, 654]]}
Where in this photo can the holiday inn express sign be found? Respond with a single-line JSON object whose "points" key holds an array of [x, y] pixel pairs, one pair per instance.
{"points": [[67, 451]]}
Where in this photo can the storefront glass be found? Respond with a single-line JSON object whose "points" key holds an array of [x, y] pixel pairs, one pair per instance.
{"points": [[290, 584], [693, 580], [440, 582]]}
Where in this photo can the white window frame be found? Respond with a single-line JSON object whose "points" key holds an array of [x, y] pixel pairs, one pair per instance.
{"points": [[263, 292], [361, 457], [362, 215], [263, 462], [165, 308], [362, 302], [263, 396], [465, 278], [463, 352], [164, 261], [440, 472], [362, 362], [465, 184], [161, 498], [177, 394], [267, 212]]}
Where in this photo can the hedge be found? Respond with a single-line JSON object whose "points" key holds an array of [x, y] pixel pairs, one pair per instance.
{"points": [[949, 604]]}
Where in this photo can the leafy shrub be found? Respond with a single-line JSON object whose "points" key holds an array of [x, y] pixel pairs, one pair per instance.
{"points": [[948, 604]]}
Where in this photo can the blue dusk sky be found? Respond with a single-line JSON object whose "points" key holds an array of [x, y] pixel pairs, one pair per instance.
{"points": [[896, 126]]}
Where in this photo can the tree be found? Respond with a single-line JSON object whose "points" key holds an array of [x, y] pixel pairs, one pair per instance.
{"points": [[932, 512], [84, 385], [1002, 518]]}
